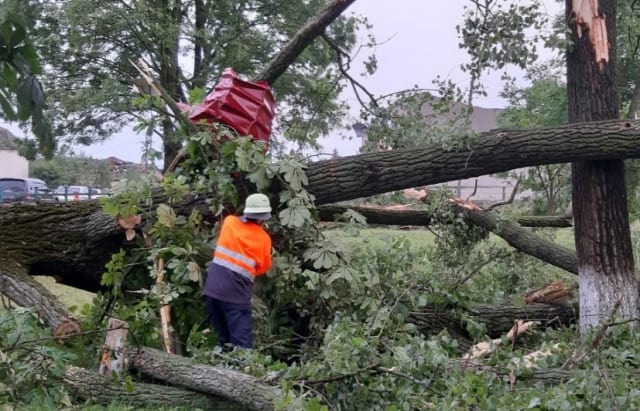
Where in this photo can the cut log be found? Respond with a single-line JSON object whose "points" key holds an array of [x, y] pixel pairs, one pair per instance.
{"points": [[25, 291], [232, 385], [91, 386]]}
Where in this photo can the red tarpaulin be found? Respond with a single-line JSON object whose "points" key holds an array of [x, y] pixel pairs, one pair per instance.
{"points": [[248, 107]]}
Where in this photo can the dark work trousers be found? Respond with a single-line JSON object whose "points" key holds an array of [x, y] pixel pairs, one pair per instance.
{"points": [[232, 322]]}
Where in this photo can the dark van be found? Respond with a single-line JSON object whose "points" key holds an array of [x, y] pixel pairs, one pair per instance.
{"points": [[22, 190]]}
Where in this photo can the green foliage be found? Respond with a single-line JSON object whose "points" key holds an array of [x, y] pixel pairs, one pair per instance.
{"points": [[71, 171], [31, 364], [21, 94], [496, 35], [417, 117], [86, 47], [543, 104]]}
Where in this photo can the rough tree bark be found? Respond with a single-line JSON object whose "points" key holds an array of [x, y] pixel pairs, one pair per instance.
{"points": [[231, 385], [90, 386], [489, 152], [603, 239], [496, 319], [73, 241]]}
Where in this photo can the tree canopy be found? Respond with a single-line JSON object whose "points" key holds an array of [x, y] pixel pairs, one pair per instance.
{"points": [[87, 46], [21, 94]]}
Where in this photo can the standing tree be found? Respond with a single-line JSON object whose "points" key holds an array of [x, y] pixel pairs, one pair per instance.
{"points": [[87, 45], [603, 241]]}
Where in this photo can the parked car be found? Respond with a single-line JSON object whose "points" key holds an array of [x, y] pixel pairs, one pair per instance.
{"points": [[76, 193], [23, 190]]}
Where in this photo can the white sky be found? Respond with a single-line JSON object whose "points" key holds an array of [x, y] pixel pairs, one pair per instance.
{"points": [[419, 43]]}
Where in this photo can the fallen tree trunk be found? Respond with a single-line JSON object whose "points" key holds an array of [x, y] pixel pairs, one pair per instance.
{"points": [[496, 319], [549, 221], [346, 178], [76, 255], [74, 241], [90, 386], [184, 372], [421, 218], [518, 237], [23, 289]]}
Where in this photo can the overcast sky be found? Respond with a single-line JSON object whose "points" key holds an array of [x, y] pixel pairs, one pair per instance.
{"points": [[419, 42]]}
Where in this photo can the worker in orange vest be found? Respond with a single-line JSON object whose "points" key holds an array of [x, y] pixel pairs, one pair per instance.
{"points": [[242, 253]]}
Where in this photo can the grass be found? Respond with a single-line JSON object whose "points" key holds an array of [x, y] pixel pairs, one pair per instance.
{"points": [[381, 237], [68, 295], [377, 237], [73, 298]]}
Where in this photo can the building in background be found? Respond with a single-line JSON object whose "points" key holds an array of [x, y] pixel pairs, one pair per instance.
{"points": [[12, 164]]}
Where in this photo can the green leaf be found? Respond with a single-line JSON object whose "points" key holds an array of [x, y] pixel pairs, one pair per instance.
{"points": [[294, 174], [9, 75], [178, 251], [7, 107], [535, 401], [295, 216], [166, 216], [195, 273]]}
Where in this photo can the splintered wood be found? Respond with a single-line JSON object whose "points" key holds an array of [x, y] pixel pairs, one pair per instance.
{"points": [[589, 19], [554, 293], [485, 347], [112, 358]]}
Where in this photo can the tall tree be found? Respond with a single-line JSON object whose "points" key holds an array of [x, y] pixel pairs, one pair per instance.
{"points": [[86, 46], [603, 241]]}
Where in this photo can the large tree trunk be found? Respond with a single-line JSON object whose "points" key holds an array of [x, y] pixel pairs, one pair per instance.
{"points": [[494, 151], [603, 240], [74, 241]]}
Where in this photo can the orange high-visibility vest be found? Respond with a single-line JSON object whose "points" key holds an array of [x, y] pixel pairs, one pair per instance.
{"points": [[244, 248]]}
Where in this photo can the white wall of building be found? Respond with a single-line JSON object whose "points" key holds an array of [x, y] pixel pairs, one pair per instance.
{"points": [[13, 165]]}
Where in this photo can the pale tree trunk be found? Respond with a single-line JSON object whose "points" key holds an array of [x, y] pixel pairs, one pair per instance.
{"points": [[603, 240]]}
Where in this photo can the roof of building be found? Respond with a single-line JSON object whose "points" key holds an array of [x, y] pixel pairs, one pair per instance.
{"points": [[7, 140]]}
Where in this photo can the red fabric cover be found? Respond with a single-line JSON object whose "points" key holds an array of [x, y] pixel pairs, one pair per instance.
{"points": [[247, 107]]}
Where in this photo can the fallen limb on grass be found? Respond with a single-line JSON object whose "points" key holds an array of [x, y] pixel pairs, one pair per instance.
{"points": [[485, 347]]}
